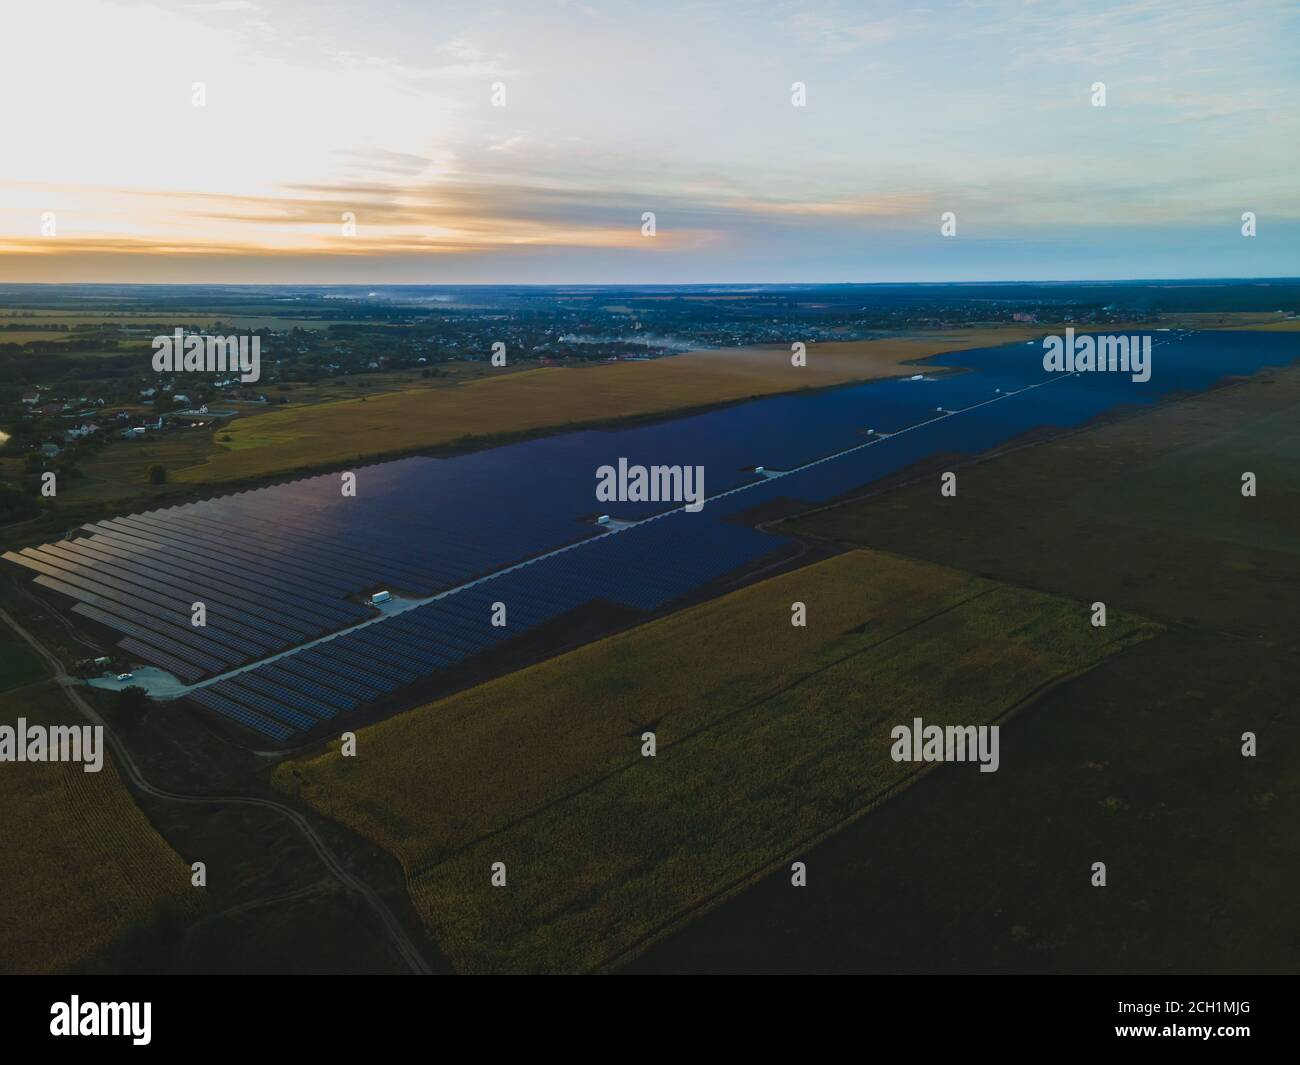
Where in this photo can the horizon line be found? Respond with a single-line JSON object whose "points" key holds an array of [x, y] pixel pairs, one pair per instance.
{"points": [[642, 284]]}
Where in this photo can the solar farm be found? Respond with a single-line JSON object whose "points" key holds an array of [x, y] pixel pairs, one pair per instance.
{"points": [[289, 639]]}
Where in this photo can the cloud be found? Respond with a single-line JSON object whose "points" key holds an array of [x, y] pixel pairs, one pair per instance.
{"points": [[978, 107]]}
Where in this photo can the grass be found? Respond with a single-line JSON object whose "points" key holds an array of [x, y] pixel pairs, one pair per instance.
{"points": [[121, 470], [1145, 513], [768, 735], [79, 862], [550, 398], [1136, 762], [1287, 325], [19, 664], [340, 420], [23, 336], [1197, 486]]}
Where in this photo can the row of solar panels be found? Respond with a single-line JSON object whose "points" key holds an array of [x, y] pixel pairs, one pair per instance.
{"points": [[271, 583], [343, 551], [278, 562], [642, 567], [265, 585], [274, 566], [399, 528], [136, 574]]}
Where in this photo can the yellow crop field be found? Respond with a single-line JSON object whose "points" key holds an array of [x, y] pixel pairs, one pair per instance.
{"points": [[337, 432], [79, 862], [1285, 325], [768, 735]]}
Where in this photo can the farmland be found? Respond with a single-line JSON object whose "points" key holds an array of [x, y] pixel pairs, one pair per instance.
{"points": [[552, 398], [18, 664], [769, 736], [1138, 761], [1149, 500], [773, 741], [81, 862], [315, 420]]}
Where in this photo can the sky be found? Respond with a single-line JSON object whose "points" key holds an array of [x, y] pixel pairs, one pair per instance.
{"points": [[376, 141]]}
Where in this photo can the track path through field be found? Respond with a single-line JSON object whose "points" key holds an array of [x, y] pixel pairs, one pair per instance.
{"points": [[401, 942]]}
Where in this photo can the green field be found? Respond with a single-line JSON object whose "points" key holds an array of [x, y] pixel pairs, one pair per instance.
{"points": [[1137, 762], [18, 662], [1150, 517], [121, 471], [768, 735], [1196, 487], [79, 863]]}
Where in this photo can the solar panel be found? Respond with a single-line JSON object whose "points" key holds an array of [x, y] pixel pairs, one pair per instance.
{"points": [[284, 564], [154, 657], [241, 714]]}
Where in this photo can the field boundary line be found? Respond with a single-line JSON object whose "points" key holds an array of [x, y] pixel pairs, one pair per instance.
{"points": [[737, 887]]}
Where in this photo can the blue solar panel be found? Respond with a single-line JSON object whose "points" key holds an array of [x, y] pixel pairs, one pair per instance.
{"points": [[272, 708], [284, 564], [288, 694], [327, 697], [307, 669], [244, 716], [154, 657], [206, 658]]}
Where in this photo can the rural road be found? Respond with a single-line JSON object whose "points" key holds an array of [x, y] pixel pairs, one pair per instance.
{"points": [[396, 934]]}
